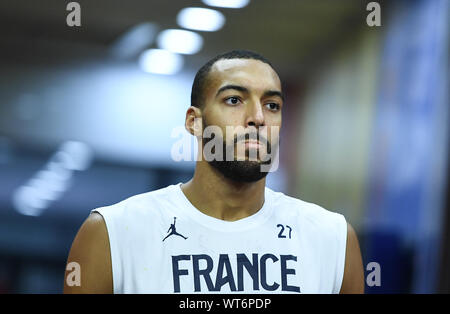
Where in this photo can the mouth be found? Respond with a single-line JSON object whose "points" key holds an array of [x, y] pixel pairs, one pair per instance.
{"points": [[253, 144]]}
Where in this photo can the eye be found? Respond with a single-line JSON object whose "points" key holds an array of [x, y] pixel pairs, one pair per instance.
{"points": [[232, 100], [272, 106]]}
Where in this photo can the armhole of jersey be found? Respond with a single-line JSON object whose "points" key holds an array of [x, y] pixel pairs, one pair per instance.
{"points": [[115, 260], [341, 252]]}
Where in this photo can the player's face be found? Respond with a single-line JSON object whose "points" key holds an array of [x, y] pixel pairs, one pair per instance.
{"points": [[244, 95]]}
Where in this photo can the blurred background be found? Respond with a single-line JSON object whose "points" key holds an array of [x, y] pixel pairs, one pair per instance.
{"points": [[89, 116]]}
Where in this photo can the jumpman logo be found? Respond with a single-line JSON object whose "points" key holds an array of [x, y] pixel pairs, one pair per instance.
{"points": [[173, 230]]}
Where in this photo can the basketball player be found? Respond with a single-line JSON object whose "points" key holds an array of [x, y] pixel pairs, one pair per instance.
{"points": [[223, 231]]}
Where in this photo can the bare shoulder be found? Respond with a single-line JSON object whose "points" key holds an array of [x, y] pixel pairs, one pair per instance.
{"points": [[353, 281], [91, 252]]}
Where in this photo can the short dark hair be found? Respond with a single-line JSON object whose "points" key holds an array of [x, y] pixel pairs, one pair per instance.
{"points": [[200, 79]]}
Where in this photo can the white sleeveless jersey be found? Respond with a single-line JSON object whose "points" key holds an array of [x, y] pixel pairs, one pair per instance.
{"points": [[160, 243]]}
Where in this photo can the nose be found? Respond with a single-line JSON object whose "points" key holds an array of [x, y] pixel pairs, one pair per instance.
{"points": [[255, 115]]}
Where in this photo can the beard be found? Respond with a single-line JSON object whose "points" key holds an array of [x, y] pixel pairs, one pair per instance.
{"points": [[245, 171]]}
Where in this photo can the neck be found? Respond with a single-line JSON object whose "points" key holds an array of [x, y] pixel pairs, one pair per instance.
{"points": [[216, 196]]}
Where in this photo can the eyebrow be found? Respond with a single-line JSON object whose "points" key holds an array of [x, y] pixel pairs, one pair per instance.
{"points": [[268, 93], [235, 87]]}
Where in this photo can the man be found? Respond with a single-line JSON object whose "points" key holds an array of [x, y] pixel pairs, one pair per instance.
{"points": [[232, 233]]}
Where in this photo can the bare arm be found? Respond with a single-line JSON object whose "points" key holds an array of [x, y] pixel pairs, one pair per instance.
{"points": [[91, 251], [353, 281]]}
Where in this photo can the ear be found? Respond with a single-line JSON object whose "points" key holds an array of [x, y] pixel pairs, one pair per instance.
{"points": [[193, 123]]}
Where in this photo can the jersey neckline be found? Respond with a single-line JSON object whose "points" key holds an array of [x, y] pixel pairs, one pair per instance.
{"points": [[242, 224]]}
